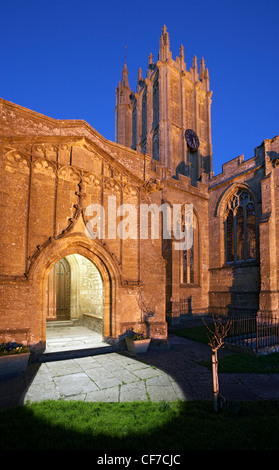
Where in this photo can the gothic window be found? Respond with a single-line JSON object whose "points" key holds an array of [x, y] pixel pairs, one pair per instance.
{"points": [[155, 146], [240, 227], [175, 102], [144, 116], [134, 127], [190, 259], [188, 266], [251, 234], [155, 104], [240, 233], [230, 236]]}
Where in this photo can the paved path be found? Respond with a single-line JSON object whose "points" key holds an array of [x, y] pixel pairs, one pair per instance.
{"points": [[117, 376]]}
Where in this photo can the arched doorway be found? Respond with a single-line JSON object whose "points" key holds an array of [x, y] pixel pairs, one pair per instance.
{"points": [[94, 252], [75, 291]]}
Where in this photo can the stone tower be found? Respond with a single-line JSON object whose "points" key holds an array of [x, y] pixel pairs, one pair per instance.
{"points": [[159, 117]]}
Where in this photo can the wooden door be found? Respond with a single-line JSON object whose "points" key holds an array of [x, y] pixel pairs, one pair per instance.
{"points": [[59, 291]]}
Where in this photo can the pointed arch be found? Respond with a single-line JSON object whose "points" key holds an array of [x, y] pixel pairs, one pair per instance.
{"points": [[78, 243], [228, 193], [190, 258], [239, 218]]}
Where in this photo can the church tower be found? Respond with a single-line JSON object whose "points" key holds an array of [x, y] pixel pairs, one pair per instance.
{"points": [[169, 114]]}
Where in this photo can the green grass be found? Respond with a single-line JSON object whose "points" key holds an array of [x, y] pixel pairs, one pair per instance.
{"points": [[237, 362], [197, 333], [148, 427], [247, 363]]}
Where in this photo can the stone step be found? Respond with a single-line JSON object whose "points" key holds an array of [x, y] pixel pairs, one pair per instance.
{"points": [[75, 353], [59, 323]]}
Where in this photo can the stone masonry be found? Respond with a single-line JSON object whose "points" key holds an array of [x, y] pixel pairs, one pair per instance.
{"points": [[52, 171]]}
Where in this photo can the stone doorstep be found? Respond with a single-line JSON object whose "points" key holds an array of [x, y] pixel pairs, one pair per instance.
{"points": [[57, 323], [74, 353]]}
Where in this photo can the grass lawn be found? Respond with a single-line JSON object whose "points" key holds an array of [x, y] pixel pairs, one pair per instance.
{"points": [[148, 427], [237, 362], [197, 333]]}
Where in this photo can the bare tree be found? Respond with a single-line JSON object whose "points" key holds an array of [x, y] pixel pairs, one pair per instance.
{"points": [[147, 309], [216, 341]]}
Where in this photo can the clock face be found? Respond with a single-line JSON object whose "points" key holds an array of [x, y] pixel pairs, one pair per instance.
{"points": [[192, 139]]}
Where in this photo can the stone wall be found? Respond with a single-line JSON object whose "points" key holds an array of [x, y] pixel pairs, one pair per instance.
{"points": [[194, 293], [86, 288], [48, 181]]}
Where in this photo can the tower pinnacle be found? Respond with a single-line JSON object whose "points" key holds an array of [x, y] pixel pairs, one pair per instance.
{"points": [[167, 102], [164, 51], [125, 81]]}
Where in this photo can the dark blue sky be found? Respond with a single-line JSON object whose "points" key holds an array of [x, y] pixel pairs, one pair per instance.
{"points": [[63, 58]]}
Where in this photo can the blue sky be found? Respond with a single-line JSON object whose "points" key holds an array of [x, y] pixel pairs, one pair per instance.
{"points": [[64, 58]]}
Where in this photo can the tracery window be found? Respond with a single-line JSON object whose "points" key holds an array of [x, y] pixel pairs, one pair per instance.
{"points": [[190, 259], [240, 227]]}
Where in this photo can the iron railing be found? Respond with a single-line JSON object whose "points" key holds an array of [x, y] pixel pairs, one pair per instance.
{"points": [[183, 306], [256, 332]]}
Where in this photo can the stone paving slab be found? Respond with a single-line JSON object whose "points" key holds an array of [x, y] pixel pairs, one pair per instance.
{"points": [[159, 375], [135, 391], [109, 377]]}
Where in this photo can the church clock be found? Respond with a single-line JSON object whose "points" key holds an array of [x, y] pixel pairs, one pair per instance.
{"points": [[192, 139]]}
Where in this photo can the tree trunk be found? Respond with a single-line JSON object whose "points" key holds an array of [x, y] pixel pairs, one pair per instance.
{"points": [[215, 380]]}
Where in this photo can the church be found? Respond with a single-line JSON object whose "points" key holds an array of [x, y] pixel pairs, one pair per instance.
{"points": [[57, 174]]}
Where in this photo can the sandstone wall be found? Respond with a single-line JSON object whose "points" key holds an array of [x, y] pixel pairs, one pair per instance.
{"points": [[51, 171]]}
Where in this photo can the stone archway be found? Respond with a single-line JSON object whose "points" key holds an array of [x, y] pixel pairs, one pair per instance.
{"points": [[73, 244], [75, 291]]}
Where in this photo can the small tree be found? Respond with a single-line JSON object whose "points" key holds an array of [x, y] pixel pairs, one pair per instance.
{"points": [[216, 341]]}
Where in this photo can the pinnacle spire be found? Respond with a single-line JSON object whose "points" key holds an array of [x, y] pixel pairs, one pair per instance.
{"points": [[181, 52], [139, 74], [164, 51], [125, 81], [202, 69]]}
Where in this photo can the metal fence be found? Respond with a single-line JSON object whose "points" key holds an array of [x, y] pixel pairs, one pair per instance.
{"points": [[183, 306], [256, 333]]}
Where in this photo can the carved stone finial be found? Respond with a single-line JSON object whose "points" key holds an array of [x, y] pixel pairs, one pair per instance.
{"points": [[139, 75], [164, 51], [202, 69], [181, 55]]}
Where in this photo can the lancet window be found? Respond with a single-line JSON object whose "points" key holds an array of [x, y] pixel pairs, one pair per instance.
{"points": [[190, 258]]}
